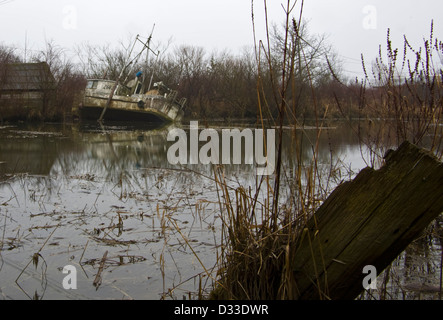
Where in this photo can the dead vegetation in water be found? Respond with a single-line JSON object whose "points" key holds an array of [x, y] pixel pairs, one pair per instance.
{"points": [[36, 260], [158, 227]]}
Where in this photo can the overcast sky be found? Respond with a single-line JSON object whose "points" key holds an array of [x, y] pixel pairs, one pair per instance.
{"points": [[353, 27]]}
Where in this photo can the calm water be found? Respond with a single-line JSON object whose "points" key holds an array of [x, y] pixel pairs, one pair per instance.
{"points": [[70, 194]]}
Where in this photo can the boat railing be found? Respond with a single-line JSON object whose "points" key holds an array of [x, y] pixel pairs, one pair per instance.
{"points": [[172, 95], [182, 103]]}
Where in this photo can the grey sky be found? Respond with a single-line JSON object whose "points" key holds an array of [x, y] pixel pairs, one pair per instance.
{"points": [[352, 26]]}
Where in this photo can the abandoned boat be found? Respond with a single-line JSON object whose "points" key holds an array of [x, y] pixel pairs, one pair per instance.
{"points": [[111, 100], [132, 100]]}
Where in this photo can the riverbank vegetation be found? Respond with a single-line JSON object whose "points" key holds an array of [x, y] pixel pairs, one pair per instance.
{"points": [[223, 85], [403, 85], [217, 85]]}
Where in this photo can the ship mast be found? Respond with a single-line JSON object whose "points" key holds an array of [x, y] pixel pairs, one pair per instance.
{"points": [[127, 64], [108, 102]]}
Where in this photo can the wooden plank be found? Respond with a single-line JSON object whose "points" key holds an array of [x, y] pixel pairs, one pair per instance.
{"points": [[368, 221]]}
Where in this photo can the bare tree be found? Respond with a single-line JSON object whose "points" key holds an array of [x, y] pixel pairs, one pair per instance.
{"points": [[69, 82]]}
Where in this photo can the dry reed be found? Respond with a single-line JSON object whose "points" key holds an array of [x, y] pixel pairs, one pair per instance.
{"points": [[261, 229]]}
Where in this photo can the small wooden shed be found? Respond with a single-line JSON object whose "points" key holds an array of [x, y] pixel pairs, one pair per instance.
{"points": [[26, 89]]}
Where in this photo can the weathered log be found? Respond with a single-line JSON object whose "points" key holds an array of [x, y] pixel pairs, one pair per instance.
{"points": [[368, 221]]}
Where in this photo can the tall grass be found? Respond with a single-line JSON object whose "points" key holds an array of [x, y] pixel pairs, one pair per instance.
{"points": [[405, 90], [261, 226]]}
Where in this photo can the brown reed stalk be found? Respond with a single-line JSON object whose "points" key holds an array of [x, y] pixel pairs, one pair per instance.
{"points": [[409, 91], [260, 232]]}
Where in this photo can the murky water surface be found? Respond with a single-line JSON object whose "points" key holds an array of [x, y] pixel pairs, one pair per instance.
{"points": [[107, 201]]}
